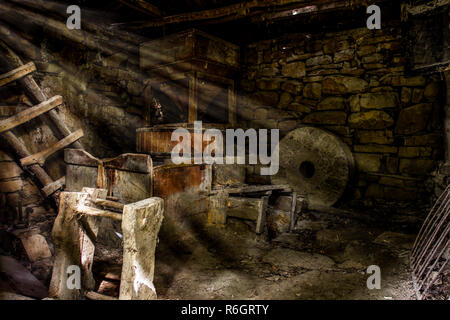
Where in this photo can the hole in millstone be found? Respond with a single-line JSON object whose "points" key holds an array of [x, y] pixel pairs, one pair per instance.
{"points": [[307, 169]]}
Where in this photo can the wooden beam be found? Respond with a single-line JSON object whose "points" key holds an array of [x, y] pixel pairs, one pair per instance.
{"points": [[143, 7], [255, 8], [40, 157], [92, 295], [113, 205], [28, 114], [262, 216], [54, 186], [17, 73], [94, 212]]}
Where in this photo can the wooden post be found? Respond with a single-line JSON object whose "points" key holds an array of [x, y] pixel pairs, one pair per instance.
{"points": [[72, 238], [217, 214], [140, 226]]}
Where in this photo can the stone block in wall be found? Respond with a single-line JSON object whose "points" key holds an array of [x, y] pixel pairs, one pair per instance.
{"points": [[265, 98], [376, 148], [299, 108], [417, 95], [413, 119], [392, 164], [430, 139], [343, 85], [377, 137], [326, 117], [294, 70], [418, 81], [415, 152], [332, 103], [268, 85], [368, 162], [374, 101], [292, 87], [285, 100], [370, 120], [340, 130], [344, 55], [416, 166], [313, 91], [406, 95], [366, 50], [431, 91], [319, 60], [287, 125]]}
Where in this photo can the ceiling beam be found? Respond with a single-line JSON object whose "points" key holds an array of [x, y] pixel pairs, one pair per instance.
{"points": [[265, 9], [143, 6]]}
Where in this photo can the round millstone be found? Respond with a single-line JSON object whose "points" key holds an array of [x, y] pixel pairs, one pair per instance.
{"points": [[316, 164]]}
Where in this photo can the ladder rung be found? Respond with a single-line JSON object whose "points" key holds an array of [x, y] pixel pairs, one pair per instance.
{"points": [[17, 73], [55, 185], [40, 157], [30, 113]]}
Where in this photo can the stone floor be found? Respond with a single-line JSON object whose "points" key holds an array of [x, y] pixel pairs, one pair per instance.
{"points": [[320, 260]]}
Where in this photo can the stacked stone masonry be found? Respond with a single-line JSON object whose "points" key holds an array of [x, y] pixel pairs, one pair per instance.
{"points": [[355, 84]]}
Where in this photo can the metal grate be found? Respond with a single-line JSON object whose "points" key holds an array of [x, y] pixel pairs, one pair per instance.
{"points": [[430, 253]]}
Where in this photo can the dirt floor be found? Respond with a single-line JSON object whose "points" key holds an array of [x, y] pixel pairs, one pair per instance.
{"points": [[321, 259]]}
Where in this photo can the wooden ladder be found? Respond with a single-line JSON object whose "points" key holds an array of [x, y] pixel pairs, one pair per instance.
{"points": [[44, 107]]}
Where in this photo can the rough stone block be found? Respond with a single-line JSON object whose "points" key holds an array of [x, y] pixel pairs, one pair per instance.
{"points": [[343, 85], [413, 119], [416, 166], [326, 117], [368, 162], [377, 137], [294, 70], [370, 120], [332, 103]]}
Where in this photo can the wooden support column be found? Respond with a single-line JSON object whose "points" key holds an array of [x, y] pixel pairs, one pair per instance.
{"points": [[140, 226], [74, 244]]}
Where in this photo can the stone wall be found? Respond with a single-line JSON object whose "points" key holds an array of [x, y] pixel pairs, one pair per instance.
{"points": [[354, 84]]}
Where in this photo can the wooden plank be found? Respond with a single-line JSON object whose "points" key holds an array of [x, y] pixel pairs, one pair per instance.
{"points": [[254, 189], [217, 213], [81, 158], [42, 156], [261, 221], [91, 295], [94, 212], [143, 7], [244, 208], [28, 114], [54, 186], [17, 73], [292, 213], [113, 205]]}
